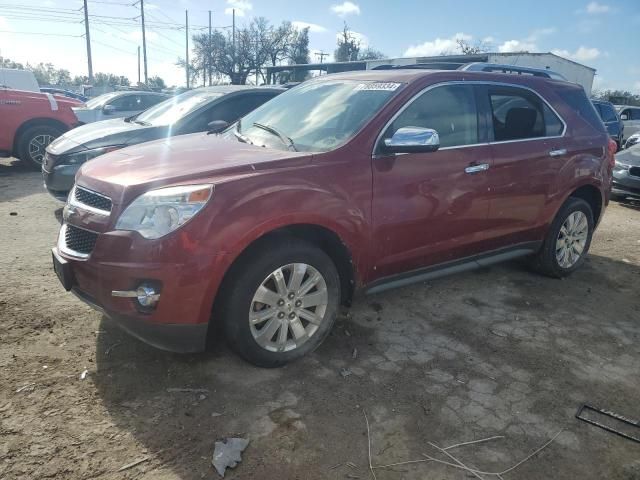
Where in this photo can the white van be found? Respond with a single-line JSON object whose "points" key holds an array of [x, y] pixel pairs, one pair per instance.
{"points": [[18, 80]]}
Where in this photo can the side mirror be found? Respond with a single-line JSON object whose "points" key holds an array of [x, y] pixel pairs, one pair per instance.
{"points": [[217, 126], [412, 140], [624, 116], [108, 109]]}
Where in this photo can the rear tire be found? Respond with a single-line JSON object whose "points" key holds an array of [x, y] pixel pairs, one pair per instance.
{"points": [[568, 240], [288, 323], [33, 142]]}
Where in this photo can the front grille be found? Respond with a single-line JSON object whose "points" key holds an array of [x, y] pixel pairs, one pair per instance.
{"points": [[92, 199], [634, 171], [79, 240], [49, 161]]}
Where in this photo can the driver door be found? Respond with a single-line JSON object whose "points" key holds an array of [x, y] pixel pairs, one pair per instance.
{"points": [[431, 208]]}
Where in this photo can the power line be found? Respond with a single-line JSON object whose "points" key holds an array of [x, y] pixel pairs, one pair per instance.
{"points": [[39, 33]]}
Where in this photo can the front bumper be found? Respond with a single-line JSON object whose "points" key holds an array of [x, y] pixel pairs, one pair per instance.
{"points": [[625, 184], [59, 181], [170, 337]]}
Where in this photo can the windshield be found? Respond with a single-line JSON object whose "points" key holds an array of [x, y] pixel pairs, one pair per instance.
{"points": [[100, 100], [173, 109], [317, 116]]}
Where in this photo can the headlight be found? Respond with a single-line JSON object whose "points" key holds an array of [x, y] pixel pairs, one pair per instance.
{"points": [[81, 157], [159, 212]]}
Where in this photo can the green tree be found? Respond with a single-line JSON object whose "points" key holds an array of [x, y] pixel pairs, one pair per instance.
{"points": [[109, 79], [621, 97], [371, 54], [156, 82], [348, 46]]}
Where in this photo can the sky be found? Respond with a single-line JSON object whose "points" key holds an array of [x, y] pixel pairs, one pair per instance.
{"points": [[603, 34]]}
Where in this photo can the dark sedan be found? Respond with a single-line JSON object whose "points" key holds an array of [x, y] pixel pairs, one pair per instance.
{"points": [[626, 174], [189, 112]]}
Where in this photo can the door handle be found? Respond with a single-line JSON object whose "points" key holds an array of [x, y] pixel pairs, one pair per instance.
{"points": [[558, 153], [479, 167]]}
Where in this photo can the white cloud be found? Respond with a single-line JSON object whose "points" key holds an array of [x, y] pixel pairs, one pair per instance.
{"points": [[437, 46], [636, 86], [582, 54], [313, 27], [511, 46], [595, 8], [540, 32], [241, 7], [345, 8]]}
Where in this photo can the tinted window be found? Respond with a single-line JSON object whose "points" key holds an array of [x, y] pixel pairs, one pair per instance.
{"points": [[127, 103], [607, 113], [237, 107], [635, 113], [450, 110], [577, 101], [151, 100]]}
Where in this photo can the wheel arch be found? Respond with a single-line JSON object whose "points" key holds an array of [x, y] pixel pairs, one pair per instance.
{"points": [[593, 196], [36, 122]]}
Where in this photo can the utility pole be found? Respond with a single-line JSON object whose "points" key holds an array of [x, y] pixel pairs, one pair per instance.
{"points": [[321, 54], [86, 30], [138, 64], [186, 33], [144, 43], [233, 29], [209, 50]]}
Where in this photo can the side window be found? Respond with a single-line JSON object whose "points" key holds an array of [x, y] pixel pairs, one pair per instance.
{"points": [[450, 110], [148, 101], [627, 113], [232, 109], [127, 103], [608, 113], [635, 113]]}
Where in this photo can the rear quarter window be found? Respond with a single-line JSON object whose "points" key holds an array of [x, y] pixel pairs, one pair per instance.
{"points": [[576, 99]]}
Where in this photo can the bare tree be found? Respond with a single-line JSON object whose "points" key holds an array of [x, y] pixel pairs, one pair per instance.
{"points": [[348, 46]]}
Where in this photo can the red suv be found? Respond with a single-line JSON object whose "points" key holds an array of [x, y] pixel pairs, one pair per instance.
{"points": [[352, 182], [29, 121]]}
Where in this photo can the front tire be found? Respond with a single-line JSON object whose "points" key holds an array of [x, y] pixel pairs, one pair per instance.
{"points": [[568, 240], [280, 301], [33, 142]]}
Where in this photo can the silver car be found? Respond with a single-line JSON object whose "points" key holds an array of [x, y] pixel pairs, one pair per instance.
{"points": [[630, 117], [117, 105]]}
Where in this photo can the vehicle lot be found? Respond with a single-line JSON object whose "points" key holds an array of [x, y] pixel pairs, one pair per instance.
{"points": [[498, 352]]}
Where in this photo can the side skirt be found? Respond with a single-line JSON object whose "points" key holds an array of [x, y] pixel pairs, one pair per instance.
{"points": [[453, 267]]}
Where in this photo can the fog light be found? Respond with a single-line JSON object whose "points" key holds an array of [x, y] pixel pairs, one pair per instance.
{"points": [[147, 296]]}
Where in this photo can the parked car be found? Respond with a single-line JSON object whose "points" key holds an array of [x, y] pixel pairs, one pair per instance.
{"points": [[626, 174], [117, 105], [353, 182], [18, 80], [65, 93], [29, 121], [632, 140], [187, 113], [611, 120], [630, 118]]}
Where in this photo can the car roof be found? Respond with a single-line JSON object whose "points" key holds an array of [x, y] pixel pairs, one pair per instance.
{"points": [[411, 75], [225, 89]]}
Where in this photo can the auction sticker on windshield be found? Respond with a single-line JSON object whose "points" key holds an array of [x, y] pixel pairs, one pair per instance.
{"points": [[387, 86]]}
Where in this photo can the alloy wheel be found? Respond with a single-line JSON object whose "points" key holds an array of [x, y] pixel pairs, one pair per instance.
{"points": [[37, 147], [288, 307], [572, 239]]}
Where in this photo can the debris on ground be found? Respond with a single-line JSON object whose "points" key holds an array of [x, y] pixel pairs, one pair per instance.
{"points": [[133, 464], [228, 453], [354, 354], [84, 374], [13, 214], [29, 387], [345, 372], [610, 421], [216, 414]]}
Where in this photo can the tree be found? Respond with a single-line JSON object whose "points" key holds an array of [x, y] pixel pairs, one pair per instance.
{"points": [[621, 97], [371, 54], [156, 82], [8, 63], [109, 79], [348, 46], [467, 48]]}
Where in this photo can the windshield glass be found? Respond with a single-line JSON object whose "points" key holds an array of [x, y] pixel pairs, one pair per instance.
{"points": [[173, 109], [100, 100], [317, 116]]}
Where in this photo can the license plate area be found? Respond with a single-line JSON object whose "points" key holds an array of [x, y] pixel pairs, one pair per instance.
{"points": [[63, 270]]}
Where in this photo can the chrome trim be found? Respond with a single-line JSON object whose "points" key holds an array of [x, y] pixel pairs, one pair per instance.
{"points": [[472, 82], [124, 293], [482, 167], [62, 244], [558, 153], [76, 203]]}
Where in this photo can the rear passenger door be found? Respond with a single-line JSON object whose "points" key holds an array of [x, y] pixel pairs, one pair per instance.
{"points": [[527, 154]]}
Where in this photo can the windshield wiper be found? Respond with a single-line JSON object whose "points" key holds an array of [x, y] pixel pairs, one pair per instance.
{"points": [[141, 122], [283, 138]]}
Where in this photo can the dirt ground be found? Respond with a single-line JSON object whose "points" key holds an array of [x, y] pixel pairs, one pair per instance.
{"points": [[498, 352]]}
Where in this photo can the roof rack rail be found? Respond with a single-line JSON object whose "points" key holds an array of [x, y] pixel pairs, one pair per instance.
{"points": [[496, 67], [422, 66]]}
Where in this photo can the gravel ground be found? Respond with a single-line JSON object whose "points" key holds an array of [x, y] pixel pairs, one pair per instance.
{"points": [[498, 352]]}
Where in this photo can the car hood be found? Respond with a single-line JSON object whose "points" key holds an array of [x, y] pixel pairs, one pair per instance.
{"points": [[199, 157], [630, 156], [103, 134]]}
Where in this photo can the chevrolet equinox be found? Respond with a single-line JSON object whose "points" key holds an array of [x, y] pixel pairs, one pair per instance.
{"points": [[354, 182]]}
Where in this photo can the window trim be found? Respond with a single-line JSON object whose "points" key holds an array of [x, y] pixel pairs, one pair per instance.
{"points": [[480, 114]]}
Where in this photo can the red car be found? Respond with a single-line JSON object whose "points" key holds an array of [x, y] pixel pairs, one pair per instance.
{"points": [[351, 182], [29, 121]]}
